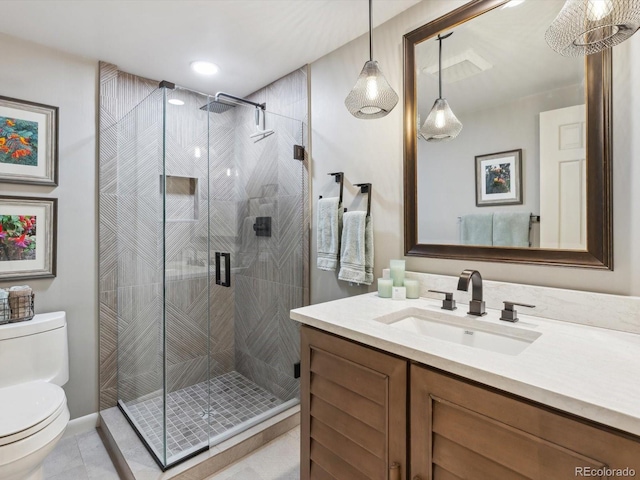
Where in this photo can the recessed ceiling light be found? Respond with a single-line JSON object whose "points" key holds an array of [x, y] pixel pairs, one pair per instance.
{"points": [[204, 68], [175, 101]]}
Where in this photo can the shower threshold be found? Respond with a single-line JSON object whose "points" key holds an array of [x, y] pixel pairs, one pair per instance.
{"points": [[195, 423]]}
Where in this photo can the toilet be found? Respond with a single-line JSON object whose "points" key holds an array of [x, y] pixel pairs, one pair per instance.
{"points": [[34, 364]]}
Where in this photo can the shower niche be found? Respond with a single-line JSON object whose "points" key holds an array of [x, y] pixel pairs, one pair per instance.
{"points": [[182, 197], [201, 359]]}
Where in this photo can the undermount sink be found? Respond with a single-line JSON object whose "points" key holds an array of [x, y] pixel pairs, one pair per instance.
{"points": [[461, 330]]}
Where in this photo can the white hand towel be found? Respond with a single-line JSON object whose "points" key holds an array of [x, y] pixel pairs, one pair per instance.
{"points": [[511, 229], [329, 224], [368, 251], [476, 229], [352, 248]]}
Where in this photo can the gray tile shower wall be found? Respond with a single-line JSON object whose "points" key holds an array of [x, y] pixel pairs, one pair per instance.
{"points": [[119, 92], [139, 248], [245, 179], [271, 276]]}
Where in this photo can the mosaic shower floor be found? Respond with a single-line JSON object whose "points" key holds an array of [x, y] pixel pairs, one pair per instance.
{"points": [[190, 416]]}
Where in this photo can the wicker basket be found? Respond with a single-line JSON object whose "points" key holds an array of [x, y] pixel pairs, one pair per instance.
{"points": [[16, 308]]}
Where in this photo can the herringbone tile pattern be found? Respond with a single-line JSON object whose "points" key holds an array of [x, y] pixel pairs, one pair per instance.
{"points": [[248, 328]]}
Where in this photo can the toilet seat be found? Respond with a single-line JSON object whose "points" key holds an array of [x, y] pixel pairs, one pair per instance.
{"points": [[20, 459], [27, 408]]}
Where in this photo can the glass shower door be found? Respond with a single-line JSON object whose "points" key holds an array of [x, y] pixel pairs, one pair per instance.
{"points": [[186, 274], [257, 210]]}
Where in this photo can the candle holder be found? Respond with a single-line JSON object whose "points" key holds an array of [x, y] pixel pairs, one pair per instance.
{"points": [[397, 272], [385, 287], [413, 288]]}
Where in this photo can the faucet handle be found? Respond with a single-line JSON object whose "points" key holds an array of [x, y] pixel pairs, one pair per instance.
{"points": [[509, 314], [448, 303]]}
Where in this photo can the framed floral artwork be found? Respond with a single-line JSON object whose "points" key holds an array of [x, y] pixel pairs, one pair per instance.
{"points": [[499, 179], [28, 142], [27, 237]]}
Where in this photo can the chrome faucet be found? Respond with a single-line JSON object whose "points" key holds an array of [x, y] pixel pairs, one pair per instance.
{"points": [[476, 305]]}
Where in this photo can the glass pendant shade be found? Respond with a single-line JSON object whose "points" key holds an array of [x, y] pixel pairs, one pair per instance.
{"points": [[372, 96], [584, 27], [441, 124]]}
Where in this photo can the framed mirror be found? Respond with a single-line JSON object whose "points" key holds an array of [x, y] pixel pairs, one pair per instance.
{"points": [[528, 179]]}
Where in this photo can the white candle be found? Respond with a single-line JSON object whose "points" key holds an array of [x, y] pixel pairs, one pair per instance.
{"points": [[413, 288], [397, 272], [386, 273], [385, 286]]}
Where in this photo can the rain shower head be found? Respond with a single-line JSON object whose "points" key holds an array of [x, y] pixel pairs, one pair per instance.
{"points": [[217, 106]]}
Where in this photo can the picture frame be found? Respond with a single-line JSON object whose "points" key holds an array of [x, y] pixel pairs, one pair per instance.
{"points": [[28, 230], [499, 179], [28, 142]]}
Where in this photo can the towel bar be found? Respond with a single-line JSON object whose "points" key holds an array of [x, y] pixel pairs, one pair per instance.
{"points": [[534, 218]]}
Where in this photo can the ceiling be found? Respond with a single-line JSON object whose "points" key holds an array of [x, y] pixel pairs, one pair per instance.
{"points": [[253, 41], [511, 41]]}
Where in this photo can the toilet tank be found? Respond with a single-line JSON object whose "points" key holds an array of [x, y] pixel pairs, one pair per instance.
{"points": [[35, 350]]}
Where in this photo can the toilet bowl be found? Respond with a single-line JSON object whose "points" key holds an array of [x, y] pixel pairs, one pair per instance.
{"points": [[33, 412]]}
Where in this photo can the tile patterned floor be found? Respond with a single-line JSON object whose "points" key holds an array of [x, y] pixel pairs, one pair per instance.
{"points": [[234, 399], [82, 457]]}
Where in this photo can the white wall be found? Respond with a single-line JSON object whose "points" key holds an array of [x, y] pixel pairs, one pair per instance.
{"points": [[39, 74], [371, 151]]}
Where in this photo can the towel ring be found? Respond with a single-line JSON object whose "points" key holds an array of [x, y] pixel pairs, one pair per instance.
{"points": [[365, 188]]}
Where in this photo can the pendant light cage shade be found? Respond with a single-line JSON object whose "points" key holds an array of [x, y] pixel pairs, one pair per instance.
{"points": [[371, 96], [584, 27], [441, 124]]}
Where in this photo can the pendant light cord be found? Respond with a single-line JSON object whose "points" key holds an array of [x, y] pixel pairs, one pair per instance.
{"points": [[439, 67], [370, 30], [440, 38]]}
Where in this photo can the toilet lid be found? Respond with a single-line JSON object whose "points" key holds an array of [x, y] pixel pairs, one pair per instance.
{"points": [[27, 407]]}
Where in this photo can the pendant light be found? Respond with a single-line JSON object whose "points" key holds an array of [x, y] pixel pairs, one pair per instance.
{"points": [[584, 27], [372, 96], [441, 124]]}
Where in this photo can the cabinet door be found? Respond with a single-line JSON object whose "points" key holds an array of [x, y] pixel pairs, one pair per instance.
{"points": [[460, 430], [353, 410]]}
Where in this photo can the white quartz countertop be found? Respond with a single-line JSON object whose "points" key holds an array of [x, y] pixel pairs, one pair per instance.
{"points": [[587, 371]]}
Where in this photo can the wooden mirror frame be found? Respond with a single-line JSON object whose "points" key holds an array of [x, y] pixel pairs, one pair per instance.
{"points": [[599, 251]]}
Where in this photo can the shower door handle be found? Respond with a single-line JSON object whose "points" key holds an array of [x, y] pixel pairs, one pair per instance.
{"points": [[227, 269]]}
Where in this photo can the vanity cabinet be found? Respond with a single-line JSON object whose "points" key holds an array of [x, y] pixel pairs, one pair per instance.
{"points": [[355, 424], [461, 429], [353, 410]]}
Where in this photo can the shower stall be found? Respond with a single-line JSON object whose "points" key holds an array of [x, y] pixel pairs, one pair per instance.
{"points": [[211, 198]]}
